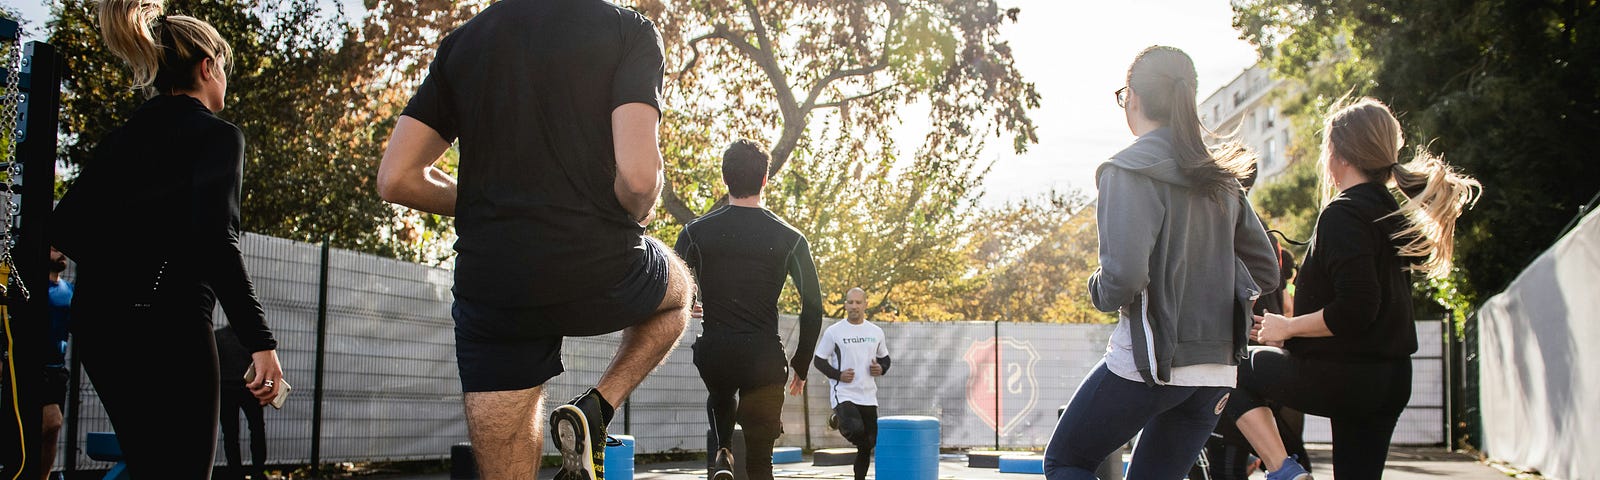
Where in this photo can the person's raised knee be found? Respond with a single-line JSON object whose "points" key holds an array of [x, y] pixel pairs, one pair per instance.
{"points": [[680, 287]]}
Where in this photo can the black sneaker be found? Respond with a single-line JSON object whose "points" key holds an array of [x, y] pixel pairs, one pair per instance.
{"points": [[724, 469], [579, 430]]}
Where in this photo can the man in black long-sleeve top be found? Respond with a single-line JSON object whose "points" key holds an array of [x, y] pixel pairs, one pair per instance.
{"points": [[741, 254]]}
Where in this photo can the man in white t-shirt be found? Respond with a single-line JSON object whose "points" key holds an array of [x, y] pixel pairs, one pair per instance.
{"points": [[851, 353]]}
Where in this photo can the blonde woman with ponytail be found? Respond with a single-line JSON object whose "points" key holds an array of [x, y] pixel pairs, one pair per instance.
{"points": [[153, 222], [1181, 256], [1349, 359]]}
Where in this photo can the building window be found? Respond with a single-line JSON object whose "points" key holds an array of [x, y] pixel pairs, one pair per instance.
{"points": [[1272, 117], [1271, 158]]}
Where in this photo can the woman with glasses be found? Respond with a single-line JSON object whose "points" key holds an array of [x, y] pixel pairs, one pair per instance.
{"points": [[1349, 357], [1181, 256]]}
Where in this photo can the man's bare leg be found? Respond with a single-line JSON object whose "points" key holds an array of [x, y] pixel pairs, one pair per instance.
{"points": [[1261, 429], [646, 345], [505, 431]]}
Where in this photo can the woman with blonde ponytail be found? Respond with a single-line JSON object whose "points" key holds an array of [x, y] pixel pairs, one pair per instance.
{"points": [[153, 222], [1349, 359], [1181, 256]]}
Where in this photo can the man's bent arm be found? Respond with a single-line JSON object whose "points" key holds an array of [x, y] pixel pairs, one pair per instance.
{"points": [[639, 164], [827, 370], [406, 175]]}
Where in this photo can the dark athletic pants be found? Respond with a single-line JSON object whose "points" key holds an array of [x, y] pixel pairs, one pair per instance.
{"points": [[162, 396], [744, 377], [1362, 401], [1108, 410], [849, 412], [759, 411], [236, 397]]}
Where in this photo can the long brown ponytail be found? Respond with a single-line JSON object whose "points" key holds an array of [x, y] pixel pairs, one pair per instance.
{"points": [[160, 51], [1366, 135], [1166, 82]]}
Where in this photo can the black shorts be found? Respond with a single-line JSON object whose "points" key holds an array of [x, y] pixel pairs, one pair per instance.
{"points": [[517, 348]]}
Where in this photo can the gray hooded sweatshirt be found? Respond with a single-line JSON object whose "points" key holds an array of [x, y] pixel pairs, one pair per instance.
{"points": [[1180, 266]]}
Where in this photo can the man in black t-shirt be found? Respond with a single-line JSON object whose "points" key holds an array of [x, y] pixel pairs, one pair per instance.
{"points": [[740, 255], [555, 106]]}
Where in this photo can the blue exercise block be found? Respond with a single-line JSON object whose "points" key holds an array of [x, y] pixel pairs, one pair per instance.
{"points": [[786, 455], [619, 458], [103, 446], [1022, 464], [908, 448]]}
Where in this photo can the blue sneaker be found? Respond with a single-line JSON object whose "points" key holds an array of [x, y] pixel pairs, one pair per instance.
{"points": [[1291, 470]]}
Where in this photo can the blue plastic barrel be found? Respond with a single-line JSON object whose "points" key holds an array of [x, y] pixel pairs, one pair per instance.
{"points": [[908, 448], [619, 459]]}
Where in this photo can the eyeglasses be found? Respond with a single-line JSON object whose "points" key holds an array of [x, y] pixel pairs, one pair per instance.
{"points": [[1122, 97]]}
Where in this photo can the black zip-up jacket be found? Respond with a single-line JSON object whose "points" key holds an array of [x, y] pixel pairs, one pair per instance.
{"points": [[1355, 275], [153, 221]]}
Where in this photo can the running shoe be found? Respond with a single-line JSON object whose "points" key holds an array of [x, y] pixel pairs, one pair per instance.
{"points": [[579, 432], [1290, 470], [724, 469]]}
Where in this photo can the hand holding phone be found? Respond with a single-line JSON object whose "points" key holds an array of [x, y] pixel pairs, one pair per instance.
{"points": [[280, 388]]}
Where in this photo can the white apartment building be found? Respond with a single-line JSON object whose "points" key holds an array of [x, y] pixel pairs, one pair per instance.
{"points": [[1245, 104]]}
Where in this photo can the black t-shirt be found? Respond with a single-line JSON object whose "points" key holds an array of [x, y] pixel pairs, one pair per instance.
{"points": [[1354, 274], [741, 256], [528, 88]]}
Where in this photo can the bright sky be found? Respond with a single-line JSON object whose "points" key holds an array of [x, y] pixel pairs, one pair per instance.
{"points": [[1076, 53]]}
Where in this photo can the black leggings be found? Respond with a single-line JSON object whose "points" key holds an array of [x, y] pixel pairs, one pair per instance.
{"points": [[161, 395], [1362, 401], [236, 398], [868, 415], [759, 410]]}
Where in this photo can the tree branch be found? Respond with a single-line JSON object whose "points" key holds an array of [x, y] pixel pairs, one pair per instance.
{"points": [[794, 125], [696, 57], [841, 102], [816, 90], [765, 56], [675, 206]]}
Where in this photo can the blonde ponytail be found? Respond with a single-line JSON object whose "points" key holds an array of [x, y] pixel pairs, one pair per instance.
{"points": [[1365, 134], [1435, 196], [160, 51], [125, 27]]}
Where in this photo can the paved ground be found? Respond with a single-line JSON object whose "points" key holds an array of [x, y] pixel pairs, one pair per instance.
{"points": [[1405, 463]]}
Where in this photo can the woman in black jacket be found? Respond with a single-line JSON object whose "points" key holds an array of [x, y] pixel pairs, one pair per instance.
{"points": [[1349, 357], [153, 222]]}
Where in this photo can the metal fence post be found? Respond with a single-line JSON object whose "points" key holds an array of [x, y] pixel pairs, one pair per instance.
{"points": [[322, 340]]}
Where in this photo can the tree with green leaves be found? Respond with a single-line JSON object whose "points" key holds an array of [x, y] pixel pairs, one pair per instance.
{"points": [[312, 97], [1507, 90], [1031, 259], [825, 84]]}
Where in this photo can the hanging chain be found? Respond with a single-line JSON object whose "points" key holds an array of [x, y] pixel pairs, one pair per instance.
{"points": [[9, 111]]}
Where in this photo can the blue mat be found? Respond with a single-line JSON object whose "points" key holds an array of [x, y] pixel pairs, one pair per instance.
{"points": [[1022, 464]]}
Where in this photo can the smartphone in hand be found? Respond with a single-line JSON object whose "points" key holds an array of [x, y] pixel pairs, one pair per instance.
{"points": [[280, 393]]}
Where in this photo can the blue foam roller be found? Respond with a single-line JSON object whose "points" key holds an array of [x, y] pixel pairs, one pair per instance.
{"points": [[1022, 464], [908, 448], [786, 455], [619, 459]]}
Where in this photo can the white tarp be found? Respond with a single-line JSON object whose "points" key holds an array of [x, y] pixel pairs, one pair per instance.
{"points": [[1540, 392]]}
